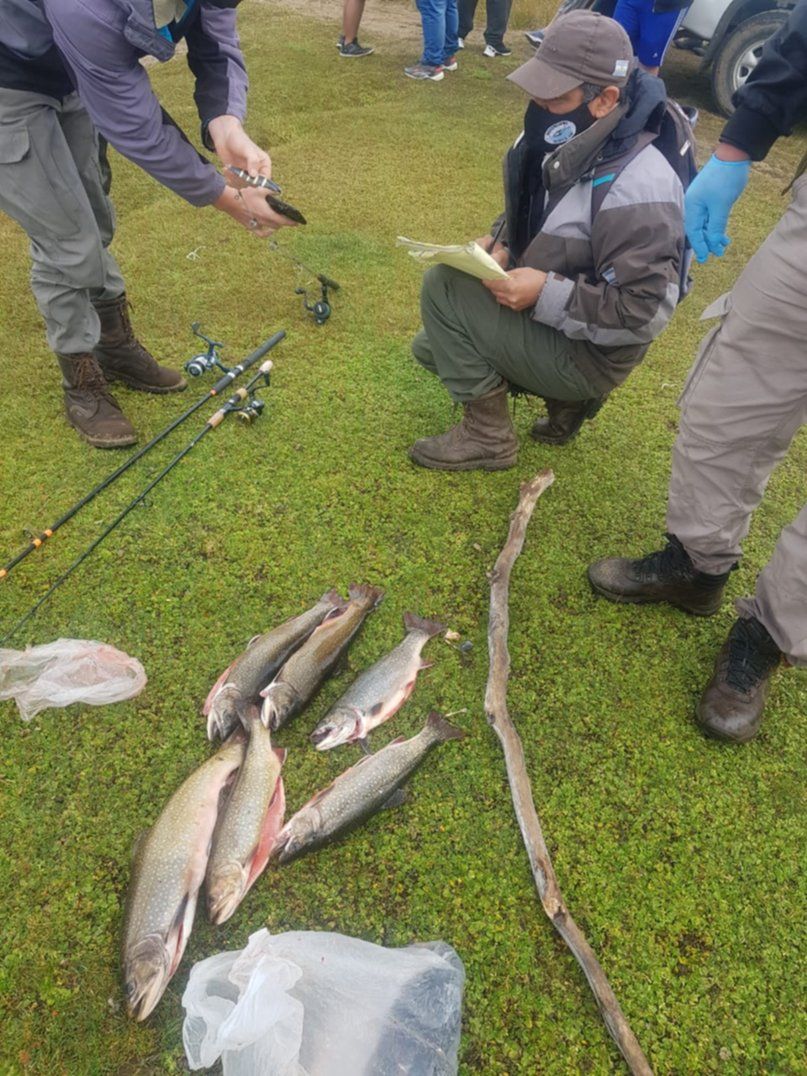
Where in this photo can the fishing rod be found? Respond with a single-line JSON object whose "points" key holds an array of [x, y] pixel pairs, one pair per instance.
{"points": [[243, 403], [224, 382]]}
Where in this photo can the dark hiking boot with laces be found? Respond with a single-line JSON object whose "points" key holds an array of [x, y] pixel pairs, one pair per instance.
{"points": [[123, 358], [484, 439], [90, 406], [564, 419], [666, 576], [731, 706]]}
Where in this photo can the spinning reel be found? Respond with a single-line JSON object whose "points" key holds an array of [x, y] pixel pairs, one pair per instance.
{"points": [[320, 309], [252, 408], [208, 360]]}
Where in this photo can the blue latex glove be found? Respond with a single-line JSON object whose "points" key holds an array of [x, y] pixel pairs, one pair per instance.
{"points": [[708, 202]]}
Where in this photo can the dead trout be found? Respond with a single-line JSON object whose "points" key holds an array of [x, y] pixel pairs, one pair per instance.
{"points": [[167, 869], [241, 682], [380, 691], [316, 659], [248, 823], [359, 792]]}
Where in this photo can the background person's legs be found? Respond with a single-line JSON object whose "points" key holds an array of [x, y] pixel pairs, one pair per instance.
{"points": [[498, 15], [466, 12], [433, 19], [352, 11]]}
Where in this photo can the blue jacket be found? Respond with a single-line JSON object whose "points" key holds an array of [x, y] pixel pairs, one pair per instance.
{"points": [[95, 46]]}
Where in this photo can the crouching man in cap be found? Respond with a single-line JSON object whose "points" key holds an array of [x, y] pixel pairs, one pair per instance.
{"points": [[593, 237]]}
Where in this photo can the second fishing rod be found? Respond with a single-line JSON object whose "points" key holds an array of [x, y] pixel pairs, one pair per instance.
{"points": [[244, 404], [224, 382]]}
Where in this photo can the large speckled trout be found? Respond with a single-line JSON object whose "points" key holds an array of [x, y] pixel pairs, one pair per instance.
{"points": [[167, 870], [241, 682], [248, 823], [359, 792], [380, 691], [302, 674]]}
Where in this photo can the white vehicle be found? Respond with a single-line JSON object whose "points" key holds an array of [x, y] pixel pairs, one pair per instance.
{"points": [[727, 34], [729, 37]]}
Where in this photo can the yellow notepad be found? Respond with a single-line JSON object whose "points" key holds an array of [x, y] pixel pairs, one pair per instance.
{"points": [[468, 257]]}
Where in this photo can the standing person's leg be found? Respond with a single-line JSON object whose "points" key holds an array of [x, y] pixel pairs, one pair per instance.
{"points": [[121, 356], [498, 15], [657, 29], [352, 11], [67, 254], [780, 597], [745, 398], [628, 14], [433, 20], [466, 12], [452, 43]]}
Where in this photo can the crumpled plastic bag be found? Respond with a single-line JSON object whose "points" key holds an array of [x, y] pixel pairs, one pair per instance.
{"points": [[67, 671], [309, 1003]]}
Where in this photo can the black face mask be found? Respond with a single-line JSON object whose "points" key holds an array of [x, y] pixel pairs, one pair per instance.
{"points": [[545, 131]]}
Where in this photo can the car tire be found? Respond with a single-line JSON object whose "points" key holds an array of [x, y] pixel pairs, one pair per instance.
{"points": [[738, 55]]}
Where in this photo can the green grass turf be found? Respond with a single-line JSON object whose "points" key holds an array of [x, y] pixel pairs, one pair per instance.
{"points": [[678, 856]]}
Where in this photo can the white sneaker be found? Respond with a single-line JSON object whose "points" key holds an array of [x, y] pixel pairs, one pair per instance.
{"points": [[460, 42], [490, 51]]}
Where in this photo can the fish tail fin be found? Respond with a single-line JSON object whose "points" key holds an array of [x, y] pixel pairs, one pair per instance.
{"points": [[413, 622], [366, 595], [443, 729], [335, 598]]}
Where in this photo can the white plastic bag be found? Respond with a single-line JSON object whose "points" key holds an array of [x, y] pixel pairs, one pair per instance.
{"points": [[306, 1003], [69, 670]]}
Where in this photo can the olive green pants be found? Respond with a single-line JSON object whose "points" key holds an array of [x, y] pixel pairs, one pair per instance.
{"points": [[471, 342]]}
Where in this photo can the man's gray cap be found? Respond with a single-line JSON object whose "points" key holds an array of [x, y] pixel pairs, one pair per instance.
{"points": [[582, 46]]}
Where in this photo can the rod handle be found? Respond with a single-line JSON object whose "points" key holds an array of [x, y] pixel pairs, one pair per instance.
{"points": [[249, 361]]}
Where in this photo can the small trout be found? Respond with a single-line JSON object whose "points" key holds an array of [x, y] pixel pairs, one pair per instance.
{"points": [[316, 659], [241, 682], [380, 691], [248, 824], [359, 792], [168, 867]]}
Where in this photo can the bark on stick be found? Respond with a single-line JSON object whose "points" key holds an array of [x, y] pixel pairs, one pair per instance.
{"points": [[528, 820]]}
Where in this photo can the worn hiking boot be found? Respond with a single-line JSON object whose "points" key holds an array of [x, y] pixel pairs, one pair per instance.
{"points": [[666, 576], [89, 405], [484, 439], [123, 358], [732, 704], [564, 419]]}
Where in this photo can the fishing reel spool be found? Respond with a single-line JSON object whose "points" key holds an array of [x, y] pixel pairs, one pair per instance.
{"points": [[320, 309], [252, 408], [208, 360]]}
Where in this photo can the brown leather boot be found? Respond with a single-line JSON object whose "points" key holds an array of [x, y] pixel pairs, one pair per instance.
{"points": [[731, 705], [564, 419], [484, 439], [123, 358], [90, 406]]}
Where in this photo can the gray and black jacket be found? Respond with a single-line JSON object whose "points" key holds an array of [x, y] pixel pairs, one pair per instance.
{"points": [[611, 238]]}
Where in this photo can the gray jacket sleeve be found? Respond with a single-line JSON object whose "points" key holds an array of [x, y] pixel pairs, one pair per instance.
{"points": [[637, 240], [115, 90]]}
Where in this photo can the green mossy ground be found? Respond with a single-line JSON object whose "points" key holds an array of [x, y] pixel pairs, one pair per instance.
{"points": [[679, 857]]}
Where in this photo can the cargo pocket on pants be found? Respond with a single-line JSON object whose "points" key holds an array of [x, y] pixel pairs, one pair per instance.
{"points": [[33, 190], [718, 309]]}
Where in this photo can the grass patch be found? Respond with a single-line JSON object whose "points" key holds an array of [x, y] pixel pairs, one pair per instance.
{"points": [[678, 856]]}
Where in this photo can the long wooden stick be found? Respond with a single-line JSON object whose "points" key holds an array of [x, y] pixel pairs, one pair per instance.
{"points": [[528, 820]]}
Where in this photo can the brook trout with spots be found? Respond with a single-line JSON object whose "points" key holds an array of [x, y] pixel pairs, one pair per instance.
{"points": [[359, 792], [242, 681], [302, 674], [168, 868], [380, 691], [248, 823]]}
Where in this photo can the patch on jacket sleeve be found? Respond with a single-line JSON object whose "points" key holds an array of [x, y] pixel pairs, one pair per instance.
{"points": [[609, 275]]}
